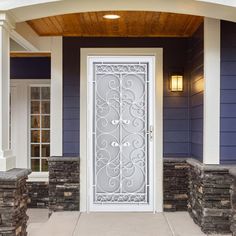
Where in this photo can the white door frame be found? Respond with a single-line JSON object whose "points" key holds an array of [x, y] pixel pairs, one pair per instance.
{"points": [[20, 123], [158, 119]]}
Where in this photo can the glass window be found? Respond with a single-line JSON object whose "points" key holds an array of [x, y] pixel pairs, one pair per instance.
{"points": [[39, 128]]}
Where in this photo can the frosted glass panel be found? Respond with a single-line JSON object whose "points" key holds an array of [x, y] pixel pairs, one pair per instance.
{"points": [[120, 127]]}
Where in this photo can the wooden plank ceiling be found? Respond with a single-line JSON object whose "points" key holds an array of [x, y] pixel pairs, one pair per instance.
{"points": [[130, 24]]}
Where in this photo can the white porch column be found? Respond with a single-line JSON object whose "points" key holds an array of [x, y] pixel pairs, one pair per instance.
{"points": [[211, 117], [56, 96], [7, 161]]}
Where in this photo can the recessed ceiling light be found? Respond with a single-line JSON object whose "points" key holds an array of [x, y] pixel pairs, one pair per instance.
{"points": [[111, 16]]}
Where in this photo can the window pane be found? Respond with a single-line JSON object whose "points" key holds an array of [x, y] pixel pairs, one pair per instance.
{"points": [[35, 122], [39, 128], [45, 107], [45, 121], [35, 93], [35, 150], [45, 150], [45, 136], [44, 165], [35, 136], [35, 107], [35, 166], [45, 92]]}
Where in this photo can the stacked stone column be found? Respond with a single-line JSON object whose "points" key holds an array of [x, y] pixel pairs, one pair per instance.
{"points": [[209, 197], [38, 194], [175, 184], [64, 184], [13, 202], [233, 202]]}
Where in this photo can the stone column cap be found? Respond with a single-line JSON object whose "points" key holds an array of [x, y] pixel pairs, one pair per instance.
{"points": [[232, 171], [209, 167], [14, 174]]}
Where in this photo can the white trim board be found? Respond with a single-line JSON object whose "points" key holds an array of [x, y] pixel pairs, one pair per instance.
{"points": [[158, 118], [211, 117], [56, 123]]}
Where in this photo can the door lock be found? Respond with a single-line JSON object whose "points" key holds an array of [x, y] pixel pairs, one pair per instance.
{"points": [[151, 130]]}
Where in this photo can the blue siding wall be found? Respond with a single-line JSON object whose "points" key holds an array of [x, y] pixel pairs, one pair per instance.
{"points": [[196, 93], [30, 68], [228, 93], [176, 111]]}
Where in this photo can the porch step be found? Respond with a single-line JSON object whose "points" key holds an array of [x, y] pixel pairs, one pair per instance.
{"points": [[59, 224]]}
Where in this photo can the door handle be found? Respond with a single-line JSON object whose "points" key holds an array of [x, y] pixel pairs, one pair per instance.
{"points": [[151, 131]]}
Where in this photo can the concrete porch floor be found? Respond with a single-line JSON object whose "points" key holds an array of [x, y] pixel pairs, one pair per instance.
{"points": [[111, 224]]}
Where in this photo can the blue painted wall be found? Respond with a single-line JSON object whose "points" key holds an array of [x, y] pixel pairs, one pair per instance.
{"points": [[196, 72], [228, 93], [176, 110], [30, 68]]}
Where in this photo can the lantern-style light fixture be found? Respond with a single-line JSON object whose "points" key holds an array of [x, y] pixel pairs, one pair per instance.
{"points": [[176, 83]]}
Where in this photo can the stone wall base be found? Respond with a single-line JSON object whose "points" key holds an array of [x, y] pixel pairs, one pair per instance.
{"points": [[64, 184], [175, 184], [38, 194], [233, 202]]}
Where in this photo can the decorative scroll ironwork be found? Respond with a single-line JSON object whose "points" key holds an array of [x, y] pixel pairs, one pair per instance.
{"points": [[120, 133]]}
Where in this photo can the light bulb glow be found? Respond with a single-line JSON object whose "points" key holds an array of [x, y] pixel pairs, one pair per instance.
{"points": [[176, 83], [111, 16]]}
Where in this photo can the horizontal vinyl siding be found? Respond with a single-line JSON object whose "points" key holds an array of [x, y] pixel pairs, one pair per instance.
{"points": [[30, 68], [176, 113], [196, 93], [228, 93], [71, 100]]}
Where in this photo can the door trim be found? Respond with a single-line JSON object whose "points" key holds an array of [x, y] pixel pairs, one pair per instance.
{"points": [[158, 119]]}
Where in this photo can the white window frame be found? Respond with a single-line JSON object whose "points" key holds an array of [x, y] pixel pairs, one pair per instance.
{"points": [[23, 89], [40, 85]]}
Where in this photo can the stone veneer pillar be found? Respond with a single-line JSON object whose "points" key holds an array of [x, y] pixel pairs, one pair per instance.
{"points": [[13, 202], [205, 190], [175, 184], [38, 194], [209, 196], [233, 202], [64, 184]]}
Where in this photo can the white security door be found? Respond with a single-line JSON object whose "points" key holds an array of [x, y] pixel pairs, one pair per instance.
{"points": [[121, 133]]}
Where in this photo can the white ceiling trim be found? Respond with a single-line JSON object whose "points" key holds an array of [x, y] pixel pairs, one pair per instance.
{"points": [[6, 5], [58, 7], [231, 3]]}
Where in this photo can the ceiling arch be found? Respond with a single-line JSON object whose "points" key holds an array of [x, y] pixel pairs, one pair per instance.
{"points": [[129, 24], [28, 9]]}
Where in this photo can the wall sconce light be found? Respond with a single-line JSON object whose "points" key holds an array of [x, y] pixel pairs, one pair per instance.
{"points": [[176, 83]]}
